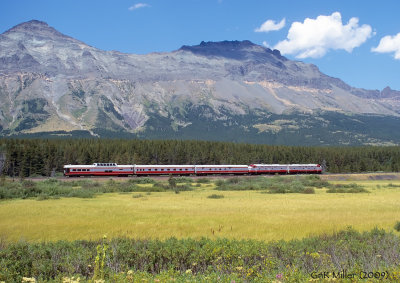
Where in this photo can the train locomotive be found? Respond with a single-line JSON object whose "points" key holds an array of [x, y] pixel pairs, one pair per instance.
{"points": [[113, 169]]}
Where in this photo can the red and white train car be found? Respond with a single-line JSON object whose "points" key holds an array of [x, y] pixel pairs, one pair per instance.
{"points": [[221, 169], [285, 169], [98, 169], [144, 170], [305, 169]]}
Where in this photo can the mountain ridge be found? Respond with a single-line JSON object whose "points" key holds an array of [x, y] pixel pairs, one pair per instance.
{"points": [[53, 82]]}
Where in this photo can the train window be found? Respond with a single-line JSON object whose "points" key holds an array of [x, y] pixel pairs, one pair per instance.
{"points": [[79, 170], [155, 169], [162, 169], [180, 169]]}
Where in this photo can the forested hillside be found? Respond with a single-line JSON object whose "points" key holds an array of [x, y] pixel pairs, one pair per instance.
{"points": [[29, 157]]}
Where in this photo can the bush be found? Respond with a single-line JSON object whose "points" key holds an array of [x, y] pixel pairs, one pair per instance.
{"points": [[350, 188], [274, 185], [391, 185], [309, 191], [141, 180], [183, 179], [215, 196], [397, 226], [203, 180]]}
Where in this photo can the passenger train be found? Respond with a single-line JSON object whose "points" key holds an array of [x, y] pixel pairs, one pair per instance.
{"points": [[113, 169]]}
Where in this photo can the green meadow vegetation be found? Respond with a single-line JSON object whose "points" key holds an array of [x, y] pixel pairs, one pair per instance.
{"points": [[241, 229], [366, 257]]}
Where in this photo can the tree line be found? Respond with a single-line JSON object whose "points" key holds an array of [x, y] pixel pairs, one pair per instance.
{"points": [[30, 157]]}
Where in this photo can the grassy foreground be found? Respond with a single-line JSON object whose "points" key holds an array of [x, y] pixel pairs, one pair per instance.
{"points": [[346, 256], [281, 229], [192, 213]]}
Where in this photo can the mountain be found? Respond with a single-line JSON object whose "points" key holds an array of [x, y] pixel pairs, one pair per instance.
{"points": [[52, 84]]}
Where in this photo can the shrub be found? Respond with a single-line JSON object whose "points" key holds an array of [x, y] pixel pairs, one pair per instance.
{"points": [[142, 180], [215, 196], [183, 179], [203, 180], [309, 191], [397, 226], [172, 182], [350, 188], [234, 180], [391, 185]]}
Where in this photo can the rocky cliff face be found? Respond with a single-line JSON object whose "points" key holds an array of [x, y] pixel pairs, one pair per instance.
{"points": [[52, 82]]}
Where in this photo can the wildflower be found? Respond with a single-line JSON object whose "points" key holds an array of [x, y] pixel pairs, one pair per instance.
{"points": [[239, 268], [28, 279], [279, 276], [315, 255], [189, 271]]}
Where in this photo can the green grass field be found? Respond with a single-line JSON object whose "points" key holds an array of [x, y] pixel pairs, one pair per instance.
{"points": [[238, 215]]}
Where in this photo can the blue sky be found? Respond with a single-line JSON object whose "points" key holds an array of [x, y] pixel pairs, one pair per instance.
{"points": [[342, 37]]}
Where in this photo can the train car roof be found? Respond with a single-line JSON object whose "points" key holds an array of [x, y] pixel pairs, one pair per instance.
{"points": [[284, 164], [223, 166], [166, 166], [96, 166]]}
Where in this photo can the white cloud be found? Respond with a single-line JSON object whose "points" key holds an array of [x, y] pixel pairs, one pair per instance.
{"points": [[315, 37], [138, 6], [265, 44], [389, 44], [271, 25]]}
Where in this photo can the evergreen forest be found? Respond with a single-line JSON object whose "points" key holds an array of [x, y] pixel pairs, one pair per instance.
{"points": [[46, 157]]}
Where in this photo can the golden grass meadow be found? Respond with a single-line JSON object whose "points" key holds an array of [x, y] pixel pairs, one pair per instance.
{"points": [[191, 214]]}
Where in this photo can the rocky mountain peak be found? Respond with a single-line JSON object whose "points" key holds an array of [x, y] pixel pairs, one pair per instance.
{"points": [[239, 50], [387, 92], [37, 28]]}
